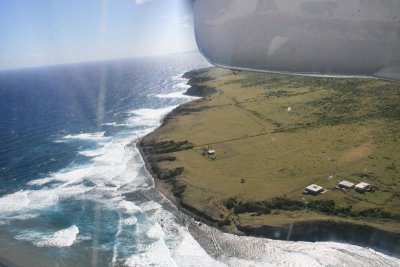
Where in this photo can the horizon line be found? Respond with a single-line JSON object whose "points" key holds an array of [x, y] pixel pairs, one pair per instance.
{"points": [[97, 60]]}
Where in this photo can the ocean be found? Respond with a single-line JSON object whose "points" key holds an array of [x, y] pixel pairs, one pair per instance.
{"points": [[68, 160]]}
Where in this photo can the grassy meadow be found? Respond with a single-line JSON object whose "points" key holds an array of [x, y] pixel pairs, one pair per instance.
{"points": [[274, 134]]}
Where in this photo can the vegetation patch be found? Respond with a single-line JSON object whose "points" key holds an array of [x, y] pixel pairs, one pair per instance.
{"points": [[163, 147], [202, 91], [323, 206], [177, 191], [166, 174]]}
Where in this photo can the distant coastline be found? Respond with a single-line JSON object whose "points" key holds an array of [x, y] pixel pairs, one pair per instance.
{"points": [[331, 229]]}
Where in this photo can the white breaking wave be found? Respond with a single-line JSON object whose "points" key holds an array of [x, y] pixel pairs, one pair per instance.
{"points": [[148, 117], [154, 254], [129, 207], [86, 136], [22, 217], [24, 201], [176, 95], [114, 124], [13, 202], [182, 86], [129, 221], [91, 153], [8, 219], [62, 238], [190, 253], [155, 232]]}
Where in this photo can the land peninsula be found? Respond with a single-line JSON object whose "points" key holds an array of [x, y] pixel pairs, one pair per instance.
{"points": [[241, 156]]}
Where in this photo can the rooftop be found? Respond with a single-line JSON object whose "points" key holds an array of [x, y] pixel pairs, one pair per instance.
{"points": [[314, 188], [362, 185], [346, 184], [211, 151]]}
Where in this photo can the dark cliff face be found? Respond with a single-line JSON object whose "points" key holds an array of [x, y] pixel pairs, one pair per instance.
{"points": [[200, 91], [195, 78], [361, 235], [195, 73]]}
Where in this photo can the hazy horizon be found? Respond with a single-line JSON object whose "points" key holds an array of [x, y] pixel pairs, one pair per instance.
{"points": [[100, 60], [45, 32]]}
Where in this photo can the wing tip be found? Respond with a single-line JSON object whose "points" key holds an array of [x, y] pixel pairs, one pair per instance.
{"points": [[390, 72]]}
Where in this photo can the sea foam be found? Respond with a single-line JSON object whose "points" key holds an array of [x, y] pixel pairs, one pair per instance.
{"points": [[148, 117], [86, 136], [154, 254], [129, 221], [61, 238], [175, 95]]}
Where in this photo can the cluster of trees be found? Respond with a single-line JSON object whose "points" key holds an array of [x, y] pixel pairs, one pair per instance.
{"points": [[224, 222], [166, 174], [380, 214], [263, 207], [159, 158], [202, 91], [323, 206], [157, 152], [177, 191], [166, 147]]}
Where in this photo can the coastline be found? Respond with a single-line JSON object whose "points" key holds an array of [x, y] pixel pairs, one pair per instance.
{"points": [[160, 185], [314, 231]]}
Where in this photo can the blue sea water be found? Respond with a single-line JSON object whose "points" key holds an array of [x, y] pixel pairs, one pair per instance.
{"points": [[67, 156], [40, 106]]}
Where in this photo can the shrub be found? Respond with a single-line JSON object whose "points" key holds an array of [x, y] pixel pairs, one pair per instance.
{"points": [[224, 222], [280, 203], [379, 214], [325, 206], [231, 203], [163, 147], [177, 191]]}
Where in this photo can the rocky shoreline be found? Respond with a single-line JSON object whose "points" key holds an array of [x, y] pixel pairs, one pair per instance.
{"points": [[166, 188], [313, 231], [317, 231]]}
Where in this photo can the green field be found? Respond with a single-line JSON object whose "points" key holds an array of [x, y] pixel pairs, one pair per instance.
{"points": [[275, 134]]}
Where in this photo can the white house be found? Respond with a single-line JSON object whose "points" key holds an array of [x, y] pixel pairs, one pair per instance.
{"points": [[314, 189], [211, 152], [362, 187], [345, 184]]}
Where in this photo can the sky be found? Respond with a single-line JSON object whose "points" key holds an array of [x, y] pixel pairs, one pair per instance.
{"points": [[48, 32]]}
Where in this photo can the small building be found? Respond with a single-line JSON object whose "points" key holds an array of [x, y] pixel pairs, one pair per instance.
{"points": [[362, 187], [345, 184], [313, 189], [211, 152]]}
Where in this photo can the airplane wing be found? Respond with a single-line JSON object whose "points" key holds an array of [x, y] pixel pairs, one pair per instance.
{"points": [[334, 37]]}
